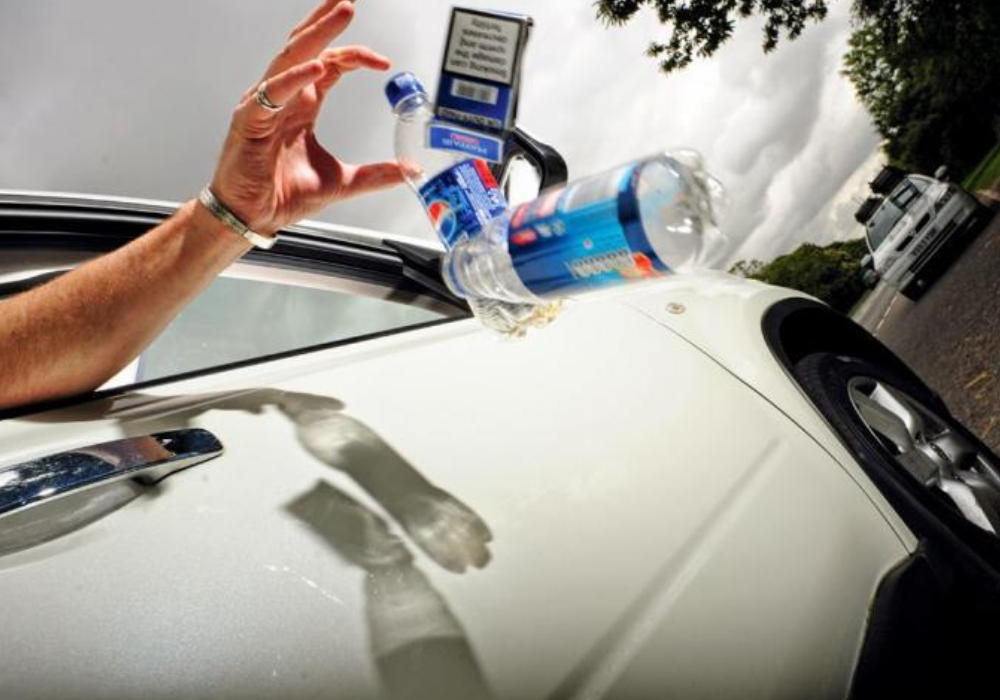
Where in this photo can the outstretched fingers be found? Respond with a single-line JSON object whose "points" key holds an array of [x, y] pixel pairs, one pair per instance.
{"points": [[280, 89], [344, 59], [371, 177], [310, 40], [317, 13], [284, 86]]}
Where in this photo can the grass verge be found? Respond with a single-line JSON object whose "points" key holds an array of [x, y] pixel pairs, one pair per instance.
{"points": [[986, 173]]}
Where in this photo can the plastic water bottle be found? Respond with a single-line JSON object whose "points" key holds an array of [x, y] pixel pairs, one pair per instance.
{"points": [[458, 192], [638, 221]]}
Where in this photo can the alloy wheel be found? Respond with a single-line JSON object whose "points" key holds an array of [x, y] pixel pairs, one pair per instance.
{"points": [[931, 448]]}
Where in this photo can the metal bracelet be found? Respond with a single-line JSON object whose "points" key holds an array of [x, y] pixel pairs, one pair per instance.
{"points": [[219, 211]]}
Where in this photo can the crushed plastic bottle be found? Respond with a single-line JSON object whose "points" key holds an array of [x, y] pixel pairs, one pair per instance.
{"points": [[638, 221]]}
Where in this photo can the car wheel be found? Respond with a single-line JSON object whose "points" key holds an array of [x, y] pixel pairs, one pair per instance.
{"points": [[901, 431], [870, 279], [914, 290], [984, 215]]}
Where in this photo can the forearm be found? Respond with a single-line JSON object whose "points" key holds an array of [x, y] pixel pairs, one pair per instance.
{"points": [[76, 332]]}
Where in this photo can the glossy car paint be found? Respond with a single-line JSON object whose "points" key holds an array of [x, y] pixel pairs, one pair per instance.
{"points": [[668, 518], [721, 315]]}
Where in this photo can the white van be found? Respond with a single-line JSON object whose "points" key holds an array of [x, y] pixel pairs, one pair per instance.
{"points": [[914, 223]]}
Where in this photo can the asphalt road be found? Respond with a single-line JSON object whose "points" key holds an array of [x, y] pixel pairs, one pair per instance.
{"points": [[951, 335]]}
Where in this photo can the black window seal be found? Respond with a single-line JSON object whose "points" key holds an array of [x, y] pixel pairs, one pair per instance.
{"points": [[98, 227]]}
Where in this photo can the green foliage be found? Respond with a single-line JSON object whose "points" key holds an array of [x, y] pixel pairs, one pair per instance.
{"points": [[747, 268], [927, 70], [986, 174], [831, 273], [929, 74], [700, 27]]}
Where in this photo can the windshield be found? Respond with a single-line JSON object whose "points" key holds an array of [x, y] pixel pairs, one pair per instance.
{"points": [[892, 210], [882, 222]]}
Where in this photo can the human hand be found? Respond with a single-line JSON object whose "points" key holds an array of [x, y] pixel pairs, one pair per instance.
{"points": [[448, 531], [273, 170], [445, 528]]}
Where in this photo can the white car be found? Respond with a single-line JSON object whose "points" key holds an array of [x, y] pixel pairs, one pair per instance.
{"points": [[327, 480], [910, 231]]}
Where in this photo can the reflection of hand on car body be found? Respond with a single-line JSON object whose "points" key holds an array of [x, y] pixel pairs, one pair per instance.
{"points": [[71, 335], [445, 528]]}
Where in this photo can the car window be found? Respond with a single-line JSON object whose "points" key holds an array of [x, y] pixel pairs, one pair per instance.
{"points": [[891, 211], [905, 195], [236, 320], [316, 288], [882, 222]]}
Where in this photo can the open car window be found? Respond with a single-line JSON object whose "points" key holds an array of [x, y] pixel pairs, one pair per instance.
{"points": [[316, 288], [241, 318]]}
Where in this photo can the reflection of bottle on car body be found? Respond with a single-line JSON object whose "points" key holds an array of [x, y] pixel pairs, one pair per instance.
{"points": [[419, 646]]}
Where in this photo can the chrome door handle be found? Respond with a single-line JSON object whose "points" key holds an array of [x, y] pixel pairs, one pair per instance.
{"points": [[147, 458]]}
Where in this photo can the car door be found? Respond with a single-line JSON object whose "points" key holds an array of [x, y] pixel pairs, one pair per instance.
{"points": [[85, 482], [425, 510]]}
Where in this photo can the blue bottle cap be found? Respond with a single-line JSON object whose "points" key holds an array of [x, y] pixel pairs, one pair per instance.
{"points": [[401, 86]]}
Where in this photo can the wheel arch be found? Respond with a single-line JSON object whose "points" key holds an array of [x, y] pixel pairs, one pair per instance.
{"points": [[796, 327], [937, 610]]}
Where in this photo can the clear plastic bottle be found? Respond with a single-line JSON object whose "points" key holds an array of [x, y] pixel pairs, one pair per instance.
{"points": [[638, 221], [458, 192]]}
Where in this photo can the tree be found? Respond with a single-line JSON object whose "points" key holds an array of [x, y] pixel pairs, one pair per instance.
{"points": [[872, 66], [748, 269], [830, 273], [927, 70], [929, 74], [700, 27]]}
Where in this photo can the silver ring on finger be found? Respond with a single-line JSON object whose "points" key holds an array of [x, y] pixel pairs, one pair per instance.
{"points": [[264, 101]]}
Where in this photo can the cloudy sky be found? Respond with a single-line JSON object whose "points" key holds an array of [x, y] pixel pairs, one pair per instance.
{"points": [[132, 97]]}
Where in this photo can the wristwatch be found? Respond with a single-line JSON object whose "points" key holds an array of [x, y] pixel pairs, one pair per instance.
{"points": [[220, 212]]}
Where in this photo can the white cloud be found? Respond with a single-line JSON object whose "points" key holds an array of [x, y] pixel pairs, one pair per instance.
{"points": [[130, 99]]}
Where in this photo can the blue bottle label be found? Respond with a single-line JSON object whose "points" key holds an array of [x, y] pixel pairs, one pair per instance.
{"points": [[462, 200], [585, 236], [443, 136]]}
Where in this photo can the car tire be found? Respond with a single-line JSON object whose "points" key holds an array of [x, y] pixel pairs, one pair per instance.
{"points": [[940, 608], [870, 278], [907, 441], [984, 215], [914, 290]]}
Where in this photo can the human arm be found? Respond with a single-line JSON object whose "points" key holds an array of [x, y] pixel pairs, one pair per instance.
{"points": [[74, 333]]}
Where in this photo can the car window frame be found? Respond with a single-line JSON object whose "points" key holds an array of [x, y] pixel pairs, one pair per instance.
{"points": [[82, 227]]}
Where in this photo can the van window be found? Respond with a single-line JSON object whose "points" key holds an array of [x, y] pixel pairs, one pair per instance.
{"points": [[882, 222], [906, 194], [892, 210]]}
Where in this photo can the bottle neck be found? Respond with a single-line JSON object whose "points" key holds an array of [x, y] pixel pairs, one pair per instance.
{"points": [[411, 104]]}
